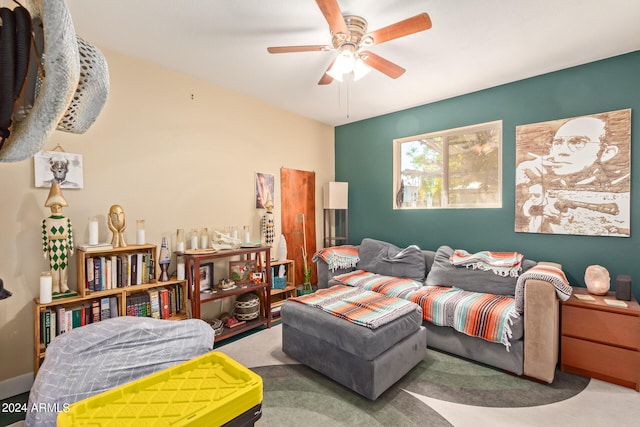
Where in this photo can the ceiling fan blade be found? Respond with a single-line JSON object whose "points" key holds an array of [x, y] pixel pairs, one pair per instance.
{"points": [[409, 26], [383, 65], [333, 15], [290, 49], [326, 78]]}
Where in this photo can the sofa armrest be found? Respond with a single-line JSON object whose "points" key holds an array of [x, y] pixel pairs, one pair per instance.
{"points": [[324, 274], [541, 328]]}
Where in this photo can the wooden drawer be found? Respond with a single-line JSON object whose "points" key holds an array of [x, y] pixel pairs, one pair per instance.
{"points": [[613, 364], [601, 326]]}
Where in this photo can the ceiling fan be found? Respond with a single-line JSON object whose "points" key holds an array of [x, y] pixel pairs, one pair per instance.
{"points": [[349, 38]]}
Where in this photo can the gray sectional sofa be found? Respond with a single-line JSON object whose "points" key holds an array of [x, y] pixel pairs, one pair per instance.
{"points": [[533, 350]]}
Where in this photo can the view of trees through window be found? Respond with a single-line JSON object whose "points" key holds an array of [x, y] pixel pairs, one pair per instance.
{"points": [[453, 168]]}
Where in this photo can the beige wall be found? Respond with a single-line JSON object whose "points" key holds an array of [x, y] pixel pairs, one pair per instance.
{"points": [[170, 149]]}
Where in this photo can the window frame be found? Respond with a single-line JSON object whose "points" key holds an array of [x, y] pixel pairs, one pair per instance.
{"points": [[446, 135]]}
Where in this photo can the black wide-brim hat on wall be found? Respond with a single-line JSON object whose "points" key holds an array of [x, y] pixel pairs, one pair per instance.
{"points": [[65, 86]]}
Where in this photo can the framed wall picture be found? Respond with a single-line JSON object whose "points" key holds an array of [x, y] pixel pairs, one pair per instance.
{"points": [[58, 166], [241, 271], [573, 175], [265, 183], [206, 277]]}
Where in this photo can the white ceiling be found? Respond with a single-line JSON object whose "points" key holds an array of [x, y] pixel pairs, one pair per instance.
{"points": [[473, 45]]}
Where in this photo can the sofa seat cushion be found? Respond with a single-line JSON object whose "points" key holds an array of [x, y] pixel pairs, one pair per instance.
{"points": [[398, 287], [444, 273], [481, 315], [389, 260]]}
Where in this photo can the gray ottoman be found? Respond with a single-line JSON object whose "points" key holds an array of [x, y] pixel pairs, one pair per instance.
{"points": [[368, 361]]}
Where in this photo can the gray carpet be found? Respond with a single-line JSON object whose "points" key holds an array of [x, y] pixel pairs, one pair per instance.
{"points": [[295, 393]]}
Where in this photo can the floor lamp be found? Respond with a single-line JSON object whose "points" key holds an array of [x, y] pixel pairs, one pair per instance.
{"points": [[336, 213]]}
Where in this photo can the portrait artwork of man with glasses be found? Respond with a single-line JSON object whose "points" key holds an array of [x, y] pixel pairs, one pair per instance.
{"points": [[573, 175]]}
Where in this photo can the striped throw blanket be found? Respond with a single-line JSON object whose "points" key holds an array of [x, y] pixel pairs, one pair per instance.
{"points": [[501, 263], [547, 273], [336, 257], [475, 314], [357, 305], [397, 287]]}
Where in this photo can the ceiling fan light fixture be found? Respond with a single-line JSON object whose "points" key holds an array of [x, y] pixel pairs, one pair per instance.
{"points": [[360, 69], [344, 63]]}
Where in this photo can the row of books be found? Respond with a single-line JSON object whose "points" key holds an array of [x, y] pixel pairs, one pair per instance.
{"points": [[58, 320], [159, 303], [117, 271]]}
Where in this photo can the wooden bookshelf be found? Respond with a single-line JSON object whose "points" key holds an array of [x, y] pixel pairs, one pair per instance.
{"points": [[82, 256], [279, 296], [261, 255], [123, 296]]}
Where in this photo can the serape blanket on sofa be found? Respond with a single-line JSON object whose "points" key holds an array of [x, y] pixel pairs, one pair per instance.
{"points": [[357, 305], [345, 256], [546, 273], [475, 314], [501, 263], [398, 287]]}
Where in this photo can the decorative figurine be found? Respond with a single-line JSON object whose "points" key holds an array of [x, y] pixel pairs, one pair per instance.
{"points": [[57, 239], [117, 225], [267, 224], [164, 260]]}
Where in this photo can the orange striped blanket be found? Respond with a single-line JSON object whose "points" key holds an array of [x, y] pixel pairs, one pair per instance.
{"points": [[398, 287], [501, 263], [475, 314], [345, 256], [357, 305]]}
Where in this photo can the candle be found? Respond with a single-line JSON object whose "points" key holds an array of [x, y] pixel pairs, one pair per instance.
{"points": [[180, 240], [140, 239], [45, 287], [194, 242], [180, 270], [204, 238], [93, 232]]}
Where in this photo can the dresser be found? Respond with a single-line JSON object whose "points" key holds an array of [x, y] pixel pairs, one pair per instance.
{"points": [[601, 341]]}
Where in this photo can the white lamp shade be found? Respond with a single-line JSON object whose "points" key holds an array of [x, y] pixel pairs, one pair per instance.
{"points": [[336, 195]]}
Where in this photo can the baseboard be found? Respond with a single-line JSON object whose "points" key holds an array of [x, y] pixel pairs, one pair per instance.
{"points": [[16, 385]]}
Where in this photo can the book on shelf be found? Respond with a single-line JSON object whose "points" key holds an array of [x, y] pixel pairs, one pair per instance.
{"points": [[89, 270], [61, 317], [45, 327], [95, 248], [95, 311], [113, 306], [154, 300], [105, 308], [164, 303], [114, 271]]}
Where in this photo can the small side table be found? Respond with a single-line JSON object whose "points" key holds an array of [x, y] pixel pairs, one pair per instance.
{"points": [[600, 340]]}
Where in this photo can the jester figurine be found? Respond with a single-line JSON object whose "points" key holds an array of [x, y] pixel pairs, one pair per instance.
{"points": [[267, 223], [57, 239]]}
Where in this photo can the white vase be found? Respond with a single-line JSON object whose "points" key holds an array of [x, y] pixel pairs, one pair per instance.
{"points": [[282, 248]]}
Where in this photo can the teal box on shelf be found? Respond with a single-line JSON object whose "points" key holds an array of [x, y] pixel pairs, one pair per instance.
{"points": [[278, 283]]}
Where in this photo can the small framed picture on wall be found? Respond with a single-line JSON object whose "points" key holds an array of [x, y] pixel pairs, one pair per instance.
{"points": [[265, 183], [58, 166]]}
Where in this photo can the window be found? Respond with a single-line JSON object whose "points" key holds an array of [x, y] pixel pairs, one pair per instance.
{"points": [[457, 168]]}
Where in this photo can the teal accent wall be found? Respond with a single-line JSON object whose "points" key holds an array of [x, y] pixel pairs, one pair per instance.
{"points": [[364, 158]]}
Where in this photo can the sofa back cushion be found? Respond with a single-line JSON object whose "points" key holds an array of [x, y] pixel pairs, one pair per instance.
{"points": [[443, 273], [389, 260]]}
